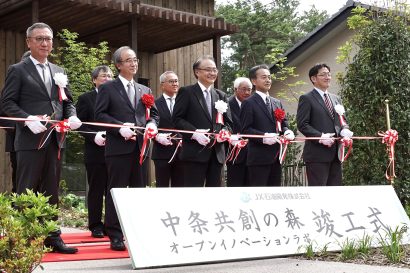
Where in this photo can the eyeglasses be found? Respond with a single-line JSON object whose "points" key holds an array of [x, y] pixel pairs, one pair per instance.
{"points": [[324, 75], [244, 89], [171, 81], [105, 75], [209, 70], [40, 39], [129, 61]]}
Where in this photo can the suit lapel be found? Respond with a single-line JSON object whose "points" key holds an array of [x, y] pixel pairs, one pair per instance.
{"points": [[164, 106], [200, 96], [32, 70], [262, 105], [319, 99], [120, 87]]}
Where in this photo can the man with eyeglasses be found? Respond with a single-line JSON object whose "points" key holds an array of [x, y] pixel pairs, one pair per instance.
{"points": [[237, 171], [119, 102], [167, 173], [94, 147], [316, 117], [202, 156], [30, 92]]}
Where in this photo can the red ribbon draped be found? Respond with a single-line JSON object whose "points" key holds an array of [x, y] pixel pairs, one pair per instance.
{"points": [[390, 138], [148, 135], [343, 143]]}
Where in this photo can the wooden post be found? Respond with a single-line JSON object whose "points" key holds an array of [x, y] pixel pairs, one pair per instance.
{"points": [[391, 172], [35, 11], [216, 49]]}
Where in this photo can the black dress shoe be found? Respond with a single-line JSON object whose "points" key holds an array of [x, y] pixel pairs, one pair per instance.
{"points": [[97, 233], [117, 244], [57, 245]]}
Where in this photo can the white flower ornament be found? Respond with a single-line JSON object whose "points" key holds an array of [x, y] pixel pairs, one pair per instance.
{"points": [[61, 80], [221, 107]]}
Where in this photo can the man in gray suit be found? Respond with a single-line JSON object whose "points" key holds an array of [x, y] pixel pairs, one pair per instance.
{"points": [[31, 93], [316, 117]]}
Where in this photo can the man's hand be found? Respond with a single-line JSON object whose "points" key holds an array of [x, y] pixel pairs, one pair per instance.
{"points": [[127, 132], [224, 135], [163, 139], [346, 133], [326, 139], [99, 138], [200, 137], [289, 135], [152, 128], [75, 122], [35, 125], [234, 139], [270, 138]]}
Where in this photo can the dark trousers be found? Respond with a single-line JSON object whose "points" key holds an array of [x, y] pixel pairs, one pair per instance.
{"points": [[265, 175], [324, 173], [13, 162], [39, 170], [169, 174], [97, 188], [123, 171], [237, 175], [199, 174]]}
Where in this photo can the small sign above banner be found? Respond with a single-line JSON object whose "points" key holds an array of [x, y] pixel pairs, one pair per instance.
{"points": [[174, 226]]}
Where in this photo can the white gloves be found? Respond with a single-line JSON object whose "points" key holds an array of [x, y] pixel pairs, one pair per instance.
{"points": [[289, 135], [270, 138], [127, 132], [200, 137], [35, 125], [346, 133], [99, 139], [234, 139], [75, 122], [163, 139], [326, 139], [152, 126]]}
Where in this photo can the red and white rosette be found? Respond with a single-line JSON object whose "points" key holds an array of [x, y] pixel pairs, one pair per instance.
{"points": [[390, 138], [340, 110], [343, 143], [148, 100], [221, 108], [61, 80], [62, 127], [279, 115], [236, 149]]}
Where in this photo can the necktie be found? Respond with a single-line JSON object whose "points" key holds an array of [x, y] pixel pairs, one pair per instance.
{"points": [[131, 94], [269, 106], [171, 105], [208, 101], [46, 78], [329, 105]]}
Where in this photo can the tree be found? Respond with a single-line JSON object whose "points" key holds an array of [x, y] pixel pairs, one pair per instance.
{"points": [[263, 29], [379, 70]]}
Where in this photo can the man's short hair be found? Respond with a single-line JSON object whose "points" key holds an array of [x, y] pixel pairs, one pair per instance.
{"points": [[116, 57], [240, 80], [98, 69], [198, 62], [315, 69], [164, 75], [37, 25], [253, 70]]}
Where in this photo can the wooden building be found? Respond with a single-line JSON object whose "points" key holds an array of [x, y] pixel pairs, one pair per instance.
{"points": [[166, 34]]}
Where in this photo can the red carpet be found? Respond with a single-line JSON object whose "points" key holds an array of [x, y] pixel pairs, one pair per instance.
{"points": [[89, 248]]}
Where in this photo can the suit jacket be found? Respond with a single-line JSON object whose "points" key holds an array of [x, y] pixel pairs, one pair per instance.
{"points": [[113, 106], [313, 119], [25, 94], [256, 120], [191, 113], [10, 133], [236, 128], [160, 151], [85, 112]]}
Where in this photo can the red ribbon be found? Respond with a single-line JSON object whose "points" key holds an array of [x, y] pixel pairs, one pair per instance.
{"points": [[148, 100], [283, 143], [390, 138], [61, 94], [236, 149], [62, 127], [343, 143], [219, 118], [342, 120], [148, 135], [279, 116]]}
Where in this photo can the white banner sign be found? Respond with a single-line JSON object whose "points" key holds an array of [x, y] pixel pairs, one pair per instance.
{"points": [[171, 226]]}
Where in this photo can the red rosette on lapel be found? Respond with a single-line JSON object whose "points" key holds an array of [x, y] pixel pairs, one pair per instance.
{"points": [[279, 117], [148, 100]]}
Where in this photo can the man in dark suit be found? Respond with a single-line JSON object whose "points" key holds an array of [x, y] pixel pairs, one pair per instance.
{"points": [[237, 171], [316, 117], [167, 174], [258, 118], [30, 92], [119, 102], [195, 111], [94, 158]]}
